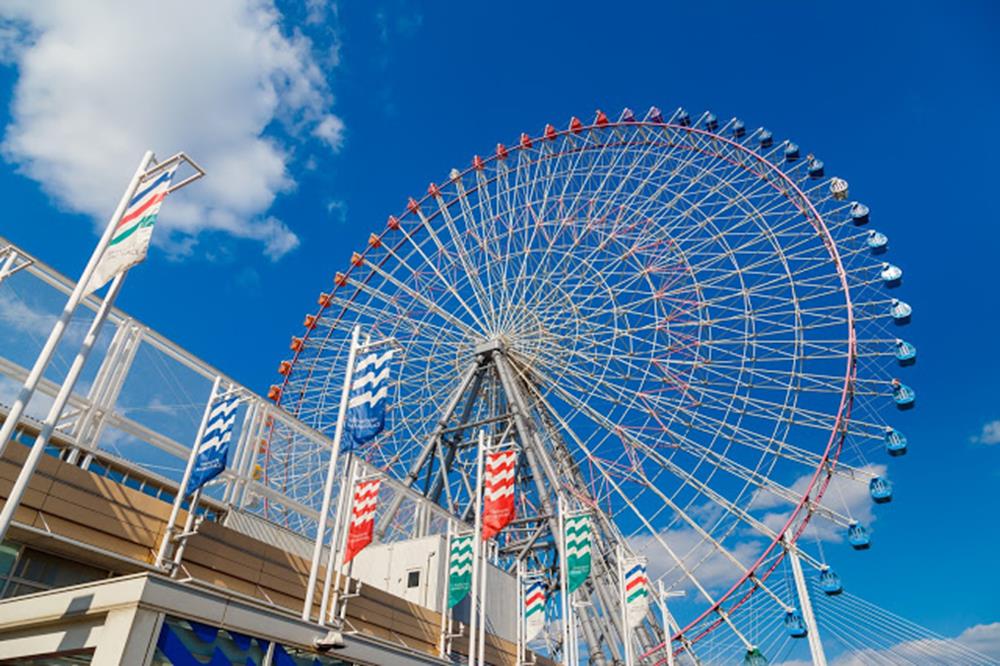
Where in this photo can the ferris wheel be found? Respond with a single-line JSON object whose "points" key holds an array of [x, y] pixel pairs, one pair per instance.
{"points": [[689, 329]]}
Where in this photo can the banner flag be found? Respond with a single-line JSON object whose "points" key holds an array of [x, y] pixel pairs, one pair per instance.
{"points": [[459, 569], [366, 410], [534, 609], [636, 590], [130, 239], [577, 540], [498, 491], [362, 517], [213, 449]]}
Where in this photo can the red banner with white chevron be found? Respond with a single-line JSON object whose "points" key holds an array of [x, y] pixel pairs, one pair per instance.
{"points": [[498, 491], [362, 517]]}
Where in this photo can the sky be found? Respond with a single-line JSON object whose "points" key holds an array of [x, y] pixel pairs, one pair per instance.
{"points": [[316, 120]]}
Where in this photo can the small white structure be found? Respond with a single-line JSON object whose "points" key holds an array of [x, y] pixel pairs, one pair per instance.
{"points": [[416, 570]]}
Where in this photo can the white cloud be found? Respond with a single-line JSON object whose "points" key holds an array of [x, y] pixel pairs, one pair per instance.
{"points": [[845, 496], [712, 569], [99, 82], [990, 433]]}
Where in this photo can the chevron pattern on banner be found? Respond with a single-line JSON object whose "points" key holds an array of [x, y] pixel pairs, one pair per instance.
{"points": [[534, 609], [213, 450], [459, 569], [362, 517], [369, 390], [577, 540], [498, 491], [636, 590]]}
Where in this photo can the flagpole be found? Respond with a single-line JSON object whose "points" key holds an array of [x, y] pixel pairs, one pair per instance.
{"points": [[55, 411], [482, 602], [665, 618], [168, 533], [563, 579], [330, 473], [477, 537], [339, 548], [622, 596], [520, 613], [79, 291], [445, 611], [339, 518]]}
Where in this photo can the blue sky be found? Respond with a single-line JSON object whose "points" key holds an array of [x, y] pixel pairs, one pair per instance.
{"points": [[347, 110]]}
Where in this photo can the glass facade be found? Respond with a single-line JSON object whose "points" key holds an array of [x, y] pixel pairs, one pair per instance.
{"points": [[189, 643], [24, 570]]}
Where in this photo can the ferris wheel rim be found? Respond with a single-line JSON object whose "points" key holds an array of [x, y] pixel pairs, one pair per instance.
{"points": [[819, 480]]}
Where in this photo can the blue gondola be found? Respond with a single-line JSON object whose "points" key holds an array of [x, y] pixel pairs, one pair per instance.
{"points": [[627, 115], [878, 242], [880, 490], [860, 213], [892, 275], [711, 122], [754, 657], [900, 311], [895, 442], [815, 168], [903, 395], [906, 353], [765, 139], [739, 128], [858, 537], [829, 582], [683, 118], [654, 115], [795, 625], [791, 152]]}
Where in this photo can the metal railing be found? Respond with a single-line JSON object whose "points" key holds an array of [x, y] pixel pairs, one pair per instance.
{"points": [[137, 406]]}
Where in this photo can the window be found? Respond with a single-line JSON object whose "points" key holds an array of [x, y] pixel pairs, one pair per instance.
{"points": [[24, 571], [413, 579]]}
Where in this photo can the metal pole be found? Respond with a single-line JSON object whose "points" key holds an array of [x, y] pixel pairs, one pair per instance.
{"points": [[49, 349], [482, 601], [353, 477], [445, 611], [805, 604], [520, 613], [55, 411], [622, 600], [340, 517], [563, 581], [8, 263], [476, 548], [330, 473], [168, 534], [665, 618]]}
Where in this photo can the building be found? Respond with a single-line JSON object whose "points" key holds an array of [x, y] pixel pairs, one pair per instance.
{"points": [[78, 575]]}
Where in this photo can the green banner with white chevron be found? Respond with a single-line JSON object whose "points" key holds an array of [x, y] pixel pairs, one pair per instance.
{"points": [[577, 540], [459, 569]]}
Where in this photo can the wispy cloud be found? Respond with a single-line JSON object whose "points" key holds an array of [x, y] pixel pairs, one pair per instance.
{"points": [[99, 83], [990, 434], [983, 638]]}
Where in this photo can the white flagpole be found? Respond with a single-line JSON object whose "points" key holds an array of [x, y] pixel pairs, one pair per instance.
{"points": [[445, 611], [48, 350], [55, 411], [623, 597], [665, 618], [331, 471], [339, 548], [168, 533], [520, 613], [564, 581], [42, 362], [482, 602], [340, 518], [477, 537]]}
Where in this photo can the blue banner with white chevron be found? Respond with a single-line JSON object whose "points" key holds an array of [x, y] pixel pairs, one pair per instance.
{"points": [[213, 449], [366, 409]]}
